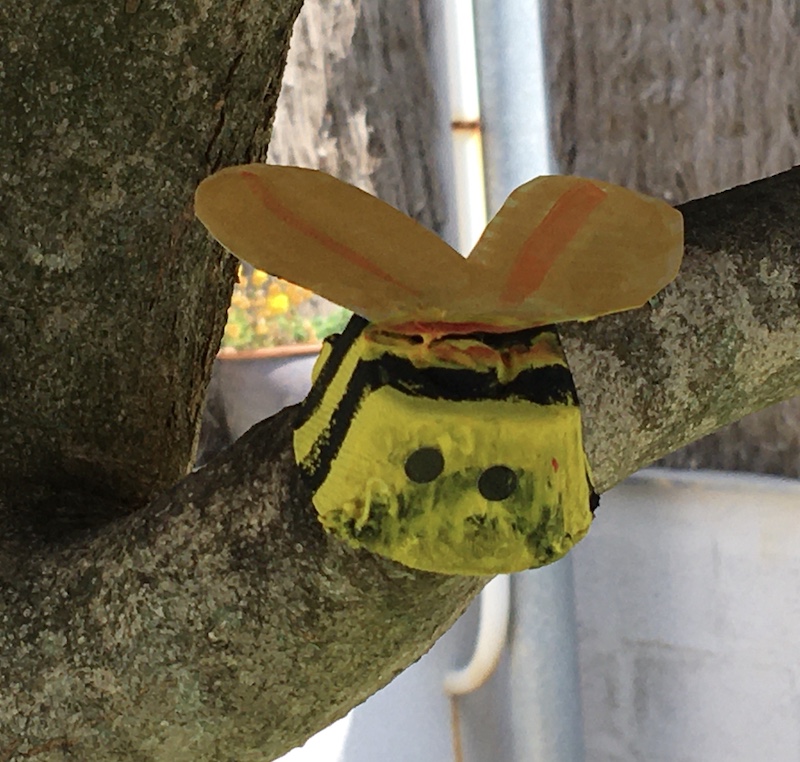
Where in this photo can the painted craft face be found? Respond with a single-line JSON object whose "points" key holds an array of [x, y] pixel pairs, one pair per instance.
{"points": [[445, 433]]}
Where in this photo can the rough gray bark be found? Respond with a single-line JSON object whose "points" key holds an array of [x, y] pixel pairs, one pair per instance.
{"points": [[676, 99], [218, 622], [111, 299], [358, 102], [766, 442], [720, 342], [682, 100]]}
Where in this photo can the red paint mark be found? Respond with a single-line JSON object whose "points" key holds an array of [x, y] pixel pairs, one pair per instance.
{"points": [[549, 238], [338, 248], [554, 464]]}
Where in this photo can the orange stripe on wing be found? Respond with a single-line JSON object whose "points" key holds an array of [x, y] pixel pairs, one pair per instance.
{"points": [[549, 238], [342, 250]]}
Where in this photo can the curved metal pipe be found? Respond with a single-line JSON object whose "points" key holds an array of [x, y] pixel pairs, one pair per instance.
{"points": [[495, 602]]}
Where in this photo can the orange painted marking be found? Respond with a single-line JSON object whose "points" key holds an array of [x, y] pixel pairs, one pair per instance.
{"points": [[471, 355], [554, 464], [544, 353], [439, 328], [338, 248], [549, 238]]}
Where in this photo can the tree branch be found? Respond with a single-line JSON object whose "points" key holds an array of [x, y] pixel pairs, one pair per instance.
{"points": [[112, 300], [221, 620], [720, 342]]}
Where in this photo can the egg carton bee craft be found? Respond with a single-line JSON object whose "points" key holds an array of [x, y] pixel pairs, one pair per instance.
{"points": [[443, 429]]}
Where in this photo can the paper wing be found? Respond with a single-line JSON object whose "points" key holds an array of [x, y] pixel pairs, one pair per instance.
{"points": [[318, 232], [565, 248]]}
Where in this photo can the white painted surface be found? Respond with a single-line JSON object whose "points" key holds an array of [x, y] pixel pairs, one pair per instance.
{"points": [[688, 599], [326, 746]]}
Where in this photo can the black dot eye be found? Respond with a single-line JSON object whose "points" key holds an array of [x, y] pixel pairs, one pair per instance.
{"points": [[424, 465], [497, 483]]}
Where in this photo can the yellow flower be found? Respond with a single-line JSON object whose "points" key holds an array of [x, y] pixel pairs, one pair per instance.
{"points": [[258, 278], [298, 294], [278, 304], [263, 313], [240, 300]]}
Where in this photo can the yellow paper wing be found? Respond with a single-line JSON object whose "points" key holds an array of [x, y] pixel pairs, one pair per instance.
{"points": [[566, 248], [318, 232]]}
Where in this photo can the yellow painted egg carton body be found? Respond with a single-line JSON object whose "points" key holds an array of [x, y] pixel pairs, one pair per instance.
{"points": [[459, 454]]}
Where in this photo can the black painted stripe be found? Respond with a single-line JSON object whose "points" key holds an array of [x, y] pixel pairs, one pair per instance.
{"points": [[507, 339], [340, 345], [317, 464], [547, 385]]}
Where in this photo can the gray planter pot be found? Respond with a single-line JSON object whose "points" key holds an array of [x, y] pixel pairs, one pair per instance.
{"points": [[247, 387], [256, 384]]}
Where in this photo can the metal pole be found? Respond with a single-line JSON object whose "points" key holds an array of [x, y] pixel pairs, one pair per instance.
{"points": [[513, 95], [546, 719]]}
